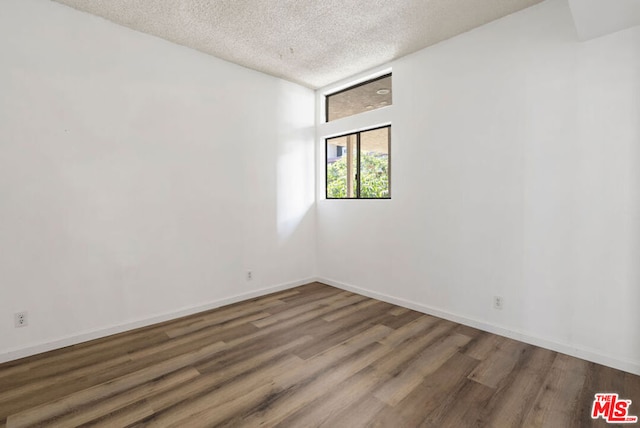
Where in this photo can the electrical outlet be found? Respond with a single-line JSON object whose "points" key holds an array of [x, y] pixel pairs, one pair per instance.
{"points": [[21, 319], [249, 275], [497, 302]]}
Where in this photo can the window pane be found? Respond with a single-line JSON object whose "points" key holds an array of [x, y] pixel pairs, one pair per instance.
{"points": [[374, 163], [360, 98], [342, 163]]}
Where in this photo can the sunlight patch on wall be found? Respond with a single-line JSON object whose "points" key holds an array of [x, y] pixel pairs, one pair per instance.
{"points": [[296, 163]]}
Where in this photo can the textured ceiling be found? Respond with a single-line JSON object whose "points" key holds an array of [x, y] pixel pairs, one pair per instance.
{"points": [[312, 42]]}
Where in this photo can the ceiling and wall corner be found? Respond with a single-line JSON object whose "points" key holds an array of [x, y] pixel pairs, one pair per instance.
{"points": [[595, 18], [305, 41]]}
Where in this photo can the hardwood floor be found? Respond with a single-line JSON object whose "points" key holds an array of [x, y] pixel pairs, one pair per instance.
{"points": [[306, 357]]}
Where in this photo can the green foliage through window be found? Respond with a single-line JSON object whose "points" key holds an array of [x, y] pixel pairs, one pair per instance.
{"points": [[374, 181]]}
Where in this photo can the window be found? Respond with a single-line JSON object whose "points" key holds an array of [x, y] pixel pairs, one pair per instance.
{"points": [[370, 95], [358, 165]]}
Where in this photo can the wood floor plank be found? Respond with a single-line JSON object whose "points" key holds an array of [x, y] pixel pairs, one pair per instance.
{"points": [[288, 324], [211, 382], [335, 400], [472, 332], [510, 405], [356, 416], [337, 332], [396, 363], [399, 310], [34, 386], [50, 364], [307, 296], [310, 356], [230, 320], [429, 360], [499, 364], [468, 410], [287, 314], [62, 405], [409, 331], [295, 398], [123, 417], [208, 407], [88, 352], [555, 403], [397, 321], [222, 404], [66, 385], [109, 407], [484, 345], [600, 379], [150, 357], [429, 395], [336, 315]]}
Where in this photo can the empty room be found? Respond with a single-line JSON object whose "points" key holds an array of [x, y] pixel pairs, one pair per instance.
{"points": [[243, 213]]}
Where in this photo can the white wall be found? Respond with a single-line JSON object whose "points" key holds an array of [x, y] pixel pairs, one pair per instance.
{"points": [[140, 179], [595, 18], [515, 172]]}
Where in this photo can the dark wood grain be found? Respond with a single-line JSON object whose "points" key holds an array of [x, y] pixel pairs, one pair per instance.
{"points": [[310, 356]]}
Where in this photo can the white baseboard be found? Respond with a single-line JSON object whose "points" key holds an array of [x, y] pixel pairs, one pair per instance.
{"points": [[574, 351], [96, 334]]}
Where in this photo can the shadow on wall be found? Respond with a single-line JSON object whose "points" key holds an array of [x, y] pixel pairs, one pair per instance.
{"points": [[295, 164]]}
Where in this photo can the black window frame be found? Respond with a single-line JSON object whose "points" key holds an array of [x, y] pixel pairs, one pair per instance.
{"points": [[366, 82], [357, 133]]}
